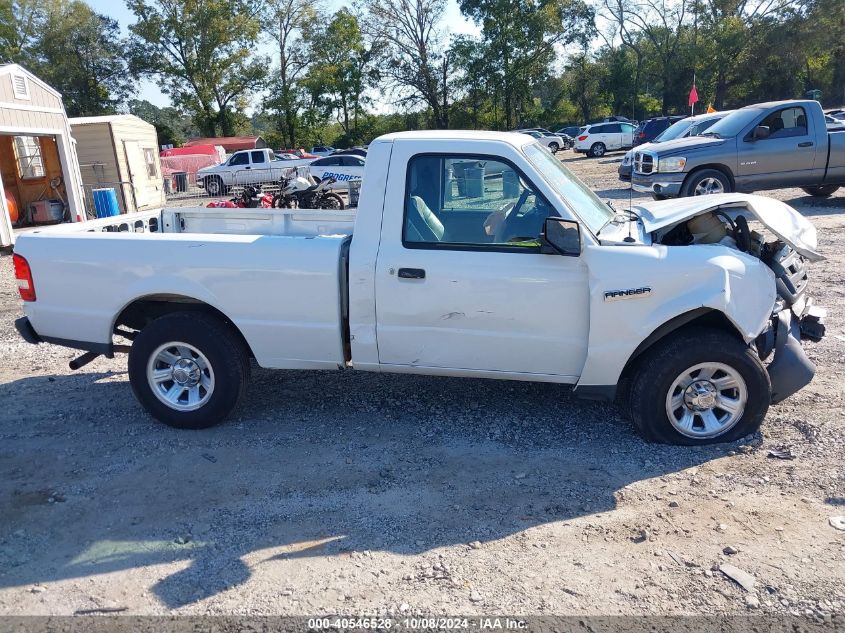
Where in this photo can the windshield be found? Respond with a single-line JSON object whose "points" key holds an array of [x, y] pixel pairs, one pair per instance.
{"points": [[673, 131], [734, 123], [587, 205]]}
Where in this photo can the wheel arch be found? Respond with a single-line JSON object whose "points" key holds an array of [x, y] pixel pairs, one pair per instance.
{"points": [[724, 169], [141, 311], [699, 317]]}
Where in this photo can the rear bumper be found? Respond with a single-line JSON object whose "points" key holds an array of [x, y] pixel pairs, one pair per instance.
{"points": [[27, 332], [668, 185]]}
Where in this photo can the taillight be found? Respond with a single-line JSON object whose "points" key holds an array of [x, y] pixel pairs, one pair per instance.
{"points": [[641, 135], [23, 274], [583, 138]]}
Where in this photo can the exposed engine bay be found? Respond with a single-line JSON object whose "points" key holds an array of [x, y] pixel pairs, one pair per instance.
{"points": [[732, 230]]}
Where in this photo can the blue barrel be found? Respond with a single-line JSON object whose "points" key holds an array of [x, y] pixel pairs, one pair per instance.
{"points": [[105, 203]]}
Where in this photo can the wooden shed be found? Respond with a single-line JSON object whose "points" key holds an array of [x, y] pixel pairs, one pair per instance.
{"points": [[40, 181], [120, 152]]}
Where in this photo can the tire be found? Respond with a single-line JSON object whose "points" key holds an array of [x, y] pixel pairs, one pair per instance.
{"points": [[658, 196], [597, 150], [662, 371], [331, 201], [553, 147], [214, 186], [219, 370], [704, 182], [822, 191]]}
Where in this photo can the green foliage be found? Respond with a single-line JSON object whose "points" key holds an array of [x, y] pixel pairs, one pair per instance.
{"points": [[72, 48], [173, 126], [203, 53]]}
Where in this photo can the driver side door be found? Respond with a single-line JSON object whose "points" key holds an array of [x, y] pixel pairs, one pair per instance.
{"points": [[465, 287]]}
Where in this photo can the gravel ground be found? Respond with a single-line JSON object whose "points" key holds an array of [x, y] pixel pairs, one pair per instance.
{"points": [[361, 493]]}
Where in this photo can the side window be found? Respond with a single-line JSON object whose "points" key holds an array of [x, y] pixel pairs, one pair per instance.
{"points": [[613, 128], [627, 128], [150, 161], [787, 122], [258, 157], [239, 159], [598, 129], [28, 155], [471, 202], [350, 161]]}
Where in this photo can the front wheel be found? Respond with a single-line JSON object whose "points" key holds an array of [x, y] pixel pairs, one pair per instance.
{"points": [[553, 147], [214, 186], [821, 191], [706, 182], [700, 386], [188, 369]]}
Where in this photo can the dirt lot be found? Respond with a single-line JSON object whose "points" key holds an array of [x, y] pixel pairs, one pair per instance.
{"points": [[357, 493]]}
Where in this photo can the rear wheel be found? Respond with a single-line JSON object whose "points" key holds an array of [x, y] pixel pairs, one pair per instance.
{"points": [[331, 201], [700, 386], [597, 150], [188, 369], [822, 191], [706, 182]]}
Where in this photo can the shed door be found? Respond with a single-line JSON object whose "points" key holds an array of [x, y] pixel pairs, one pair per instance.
{"points": [[143, 173]]}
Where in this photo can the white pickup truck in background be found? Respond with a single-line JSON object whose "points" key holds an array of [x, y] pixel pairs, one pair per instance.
{"points": [[247, 167], [471, 254]]}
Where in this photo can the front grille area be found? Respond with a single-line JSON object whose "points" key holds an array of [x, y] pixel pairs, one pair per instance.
{"points": [[791, 273], [643, 163]]}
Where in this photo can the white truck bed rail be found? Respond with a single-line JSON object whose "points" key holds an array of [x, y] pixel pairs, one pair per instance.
{"points": [[219, 221]]}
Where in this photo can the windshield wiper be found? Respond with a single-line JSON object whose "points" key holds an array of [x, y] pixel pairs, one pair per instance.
{"points": [[713, 134]]}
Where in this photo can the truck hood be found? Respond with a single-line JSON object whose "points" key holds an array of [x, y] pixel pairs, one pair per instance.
{"points": [[781, 219], [685, 144]]}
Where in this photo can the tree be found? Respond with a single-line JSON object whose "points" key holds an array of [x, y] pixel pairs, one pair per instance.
{"points": [[82, 55], [518, 43], [203, 51], [417, 60], [21, 22], [342, 70], [657, 25], [173, 127], [286, 23]]}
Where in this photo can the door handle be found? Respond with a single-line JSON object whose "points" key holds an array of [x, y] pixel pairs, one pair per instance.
{"points": [[411, 273], [806, 144]]}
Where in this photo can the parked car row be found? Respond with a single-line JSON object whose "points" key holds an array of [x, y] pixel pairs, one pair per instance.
{"points": [[264, 166]]}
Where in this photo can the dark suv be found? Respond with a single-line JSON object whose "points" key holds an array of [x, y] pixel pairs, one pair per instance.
{"points": [[650, 128]]}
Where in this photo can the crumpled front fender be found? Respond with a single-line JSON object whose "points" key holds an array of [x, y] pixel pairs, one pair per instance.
{"points": [[679, 280]]}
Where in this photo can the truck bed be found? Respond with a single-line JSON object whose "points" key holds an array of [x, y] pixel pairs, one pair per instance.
{"points": [[277, 274]]}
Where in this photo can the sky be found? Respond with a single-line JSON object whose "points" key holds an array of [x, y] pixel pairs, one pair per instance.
{"points": [[149, 90]]}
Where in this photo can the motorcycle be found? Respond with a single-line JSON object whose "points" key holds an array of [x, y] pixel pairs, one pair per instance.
{"points": [[250, 198], [306, 193]]}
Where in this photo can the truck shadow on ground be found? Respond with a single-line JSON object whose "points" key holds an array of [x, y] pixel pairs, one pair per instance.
{"points": [[313, 464]]}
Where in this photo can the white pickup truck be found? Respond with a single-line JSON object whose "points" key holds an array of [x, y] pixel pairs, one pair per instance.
{"points": [[246, 167], [471, 254]]}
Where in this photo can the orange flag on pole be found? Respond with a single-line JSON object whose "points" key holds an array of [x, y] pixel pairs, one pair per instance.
{"points": [[710, 108]]}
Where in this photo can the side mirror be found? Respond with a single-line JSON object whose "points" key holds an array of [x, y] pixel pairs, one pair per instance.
{"points": [[761, 132], [560, 237]]}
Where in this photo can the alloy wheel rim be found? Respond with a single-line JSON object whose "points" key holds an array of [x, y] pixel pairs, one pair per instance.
{"points": [[180, 376], [706, 400], [709, 186]]}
